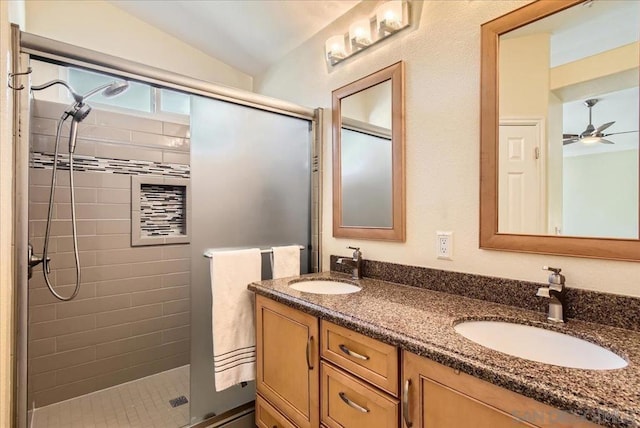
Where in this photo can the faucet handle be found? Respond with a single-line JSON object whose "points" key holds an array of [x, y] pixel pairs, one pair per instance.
{"points": [[555, 277], [356, 251]]}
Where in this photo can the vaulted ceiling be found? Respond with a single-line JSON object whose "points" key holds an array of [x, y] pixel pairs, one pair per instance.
{"points": [[248, 35]]}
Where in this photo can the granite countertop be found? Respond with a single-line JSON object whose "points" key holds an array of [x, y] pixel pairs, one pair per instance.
{"points": [[421, 321]]}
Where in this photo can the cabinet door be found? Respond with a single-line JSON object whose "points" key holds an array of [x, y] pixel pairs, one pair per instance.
{"points": [[437, 396], [288, 361]]}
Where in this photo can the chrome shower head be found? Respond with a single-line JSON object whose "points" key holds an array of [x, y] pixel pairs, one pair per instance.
{"points": [[116, 88], [109, 90]]}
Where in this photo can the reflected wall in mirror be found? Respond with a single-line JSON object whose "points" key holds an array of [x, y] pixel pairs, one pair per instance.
{"points": [[368, 157], [559, 129]]}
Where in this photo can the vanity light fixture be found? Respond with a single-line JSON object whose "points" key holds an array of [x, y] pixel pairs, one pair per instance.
{"points": [[389, 18], [360, 34], [336, 50]]}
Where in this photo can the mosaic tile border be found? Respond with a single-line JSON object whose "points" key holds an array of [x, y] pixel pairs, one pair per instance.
{"points": [[83, 163]]}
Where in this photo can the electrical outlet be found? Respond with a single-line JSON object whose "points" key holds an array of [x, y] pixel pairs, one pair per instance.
{"points": [[444, 245]]}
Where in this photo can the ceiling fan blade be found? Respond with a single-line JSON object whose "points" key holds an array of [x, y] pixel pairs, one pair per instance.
{"points": [[569, 136], [601, 128], [603, 141], [570, 141], [616, 133]]}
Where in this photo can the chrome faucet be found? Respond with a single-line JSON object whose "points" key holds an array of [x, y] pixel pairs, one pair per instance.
{"points": [[555, 292], [355, 262]]}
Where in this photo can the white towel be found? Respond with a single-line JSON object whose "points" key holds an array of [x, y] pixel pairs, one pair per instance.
{"points": [[234, 343], [285, 261]]}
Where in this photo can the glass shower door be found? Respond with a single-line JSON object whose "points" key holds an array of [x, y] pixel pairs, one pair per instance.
{"points": [[250, 187]]}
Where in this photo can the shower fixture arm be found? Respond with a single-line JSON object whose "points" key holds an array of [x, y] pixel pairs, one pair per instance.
{"points": [[78, 98]]}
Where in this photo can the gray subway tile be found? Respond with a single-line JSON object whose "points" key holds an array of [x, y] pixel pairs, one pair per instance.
{"points": [[114, 196], [162, 295], [176, 279], [42, 296], [176, 334], [108, 349], [64, 392], [159, 324], [62, 360], [176, 158], [92, 337], [147, 139], [96, 306], [159, 352], [128, 152], [125, 316], [42, 313], [113, 227], [129, 255], [176, 306], [61, 327], [126, 121], [176, 129], [38, 348], [182, 251], [128, 285], [42, 381], [92, 369]]}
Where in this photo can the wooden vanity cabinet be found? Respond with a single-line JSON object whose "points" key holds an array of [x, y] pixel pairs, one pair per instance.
{"points": [[438, 396], [288, 366], [359, 380]]}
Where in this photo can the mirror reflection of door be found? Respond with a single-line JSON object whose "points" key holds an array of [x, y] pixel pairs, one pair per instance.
{"points": [[578, 71], [366, 158]]}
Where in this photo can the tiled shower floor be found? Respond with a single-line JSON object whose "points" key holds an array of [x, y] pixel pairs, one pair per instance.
{"points": [[140, 403]]}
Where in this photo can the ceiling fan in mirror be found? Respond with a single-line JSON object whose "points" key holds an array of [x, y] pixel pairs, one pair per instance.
{"points": [[592, 134]]}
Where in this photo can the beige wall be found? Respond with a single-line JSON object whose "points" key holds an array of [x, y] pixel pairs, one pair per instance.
{"points": [[442, 61], [131, 317], [6, 224], [98, 25], [524, 76]]}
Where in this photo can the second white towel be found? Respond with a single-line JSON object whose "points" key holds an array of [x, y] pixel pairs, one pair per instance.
{"points": [[234, 344], [285, 261]]}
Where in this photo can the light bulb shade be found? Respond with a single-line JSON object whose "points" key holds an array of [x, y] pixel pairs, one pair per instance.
{"points": [[590, 140], [391, 17], [360, 34], [335, 49]]}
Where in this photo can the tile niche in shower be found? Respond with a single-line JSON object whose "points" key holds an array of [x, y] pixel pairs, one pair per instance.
{"points": [[159, 210]]}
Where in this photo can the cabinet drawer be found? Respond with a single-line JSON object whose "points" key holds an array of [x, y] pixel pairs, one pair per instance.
{"points": [[268, 417], [348, 402], [372, 360]]}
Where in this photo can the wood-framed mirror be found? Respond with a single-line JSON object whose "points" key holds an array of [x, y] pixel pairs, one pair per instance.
{"points": [[368, 157], [559, 130]]}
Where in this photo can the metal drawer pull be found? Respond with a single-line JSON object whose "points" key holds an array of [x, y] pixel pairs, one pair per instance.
{"points": [[405, 404], [352, 404], [350, 353], [309, 352]]}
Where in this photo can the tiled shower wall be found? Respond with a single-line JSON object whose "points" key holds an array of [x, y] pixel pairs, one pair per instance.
{"points": [[131, 317]]}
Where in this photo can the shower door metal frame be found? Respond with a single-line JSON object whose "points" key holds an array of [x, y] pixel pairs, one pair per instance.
{"points": [[27, 46]]}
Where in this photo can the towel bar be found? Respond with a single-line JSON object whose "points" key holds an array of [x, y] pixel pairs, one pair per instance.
{"points": [[208, 252]]}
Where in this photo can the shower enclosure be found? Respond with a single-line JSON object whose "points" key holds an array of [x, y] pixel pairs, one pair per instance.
{"points": [[152, 192]]}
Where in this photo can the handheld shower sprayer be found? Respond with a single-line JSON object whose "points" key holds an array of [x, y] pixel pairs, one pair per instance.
{"points": [[77, 111]]}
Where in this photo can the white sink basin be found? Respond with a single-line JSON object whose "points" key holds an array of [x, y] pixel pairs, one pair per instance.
{"points": [[324, 287], [541, 345]]}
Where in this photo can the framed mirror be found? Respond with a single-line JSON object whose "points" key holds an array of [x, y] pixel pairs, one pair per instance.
{"points": [[560, 115], [368, 157]]}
